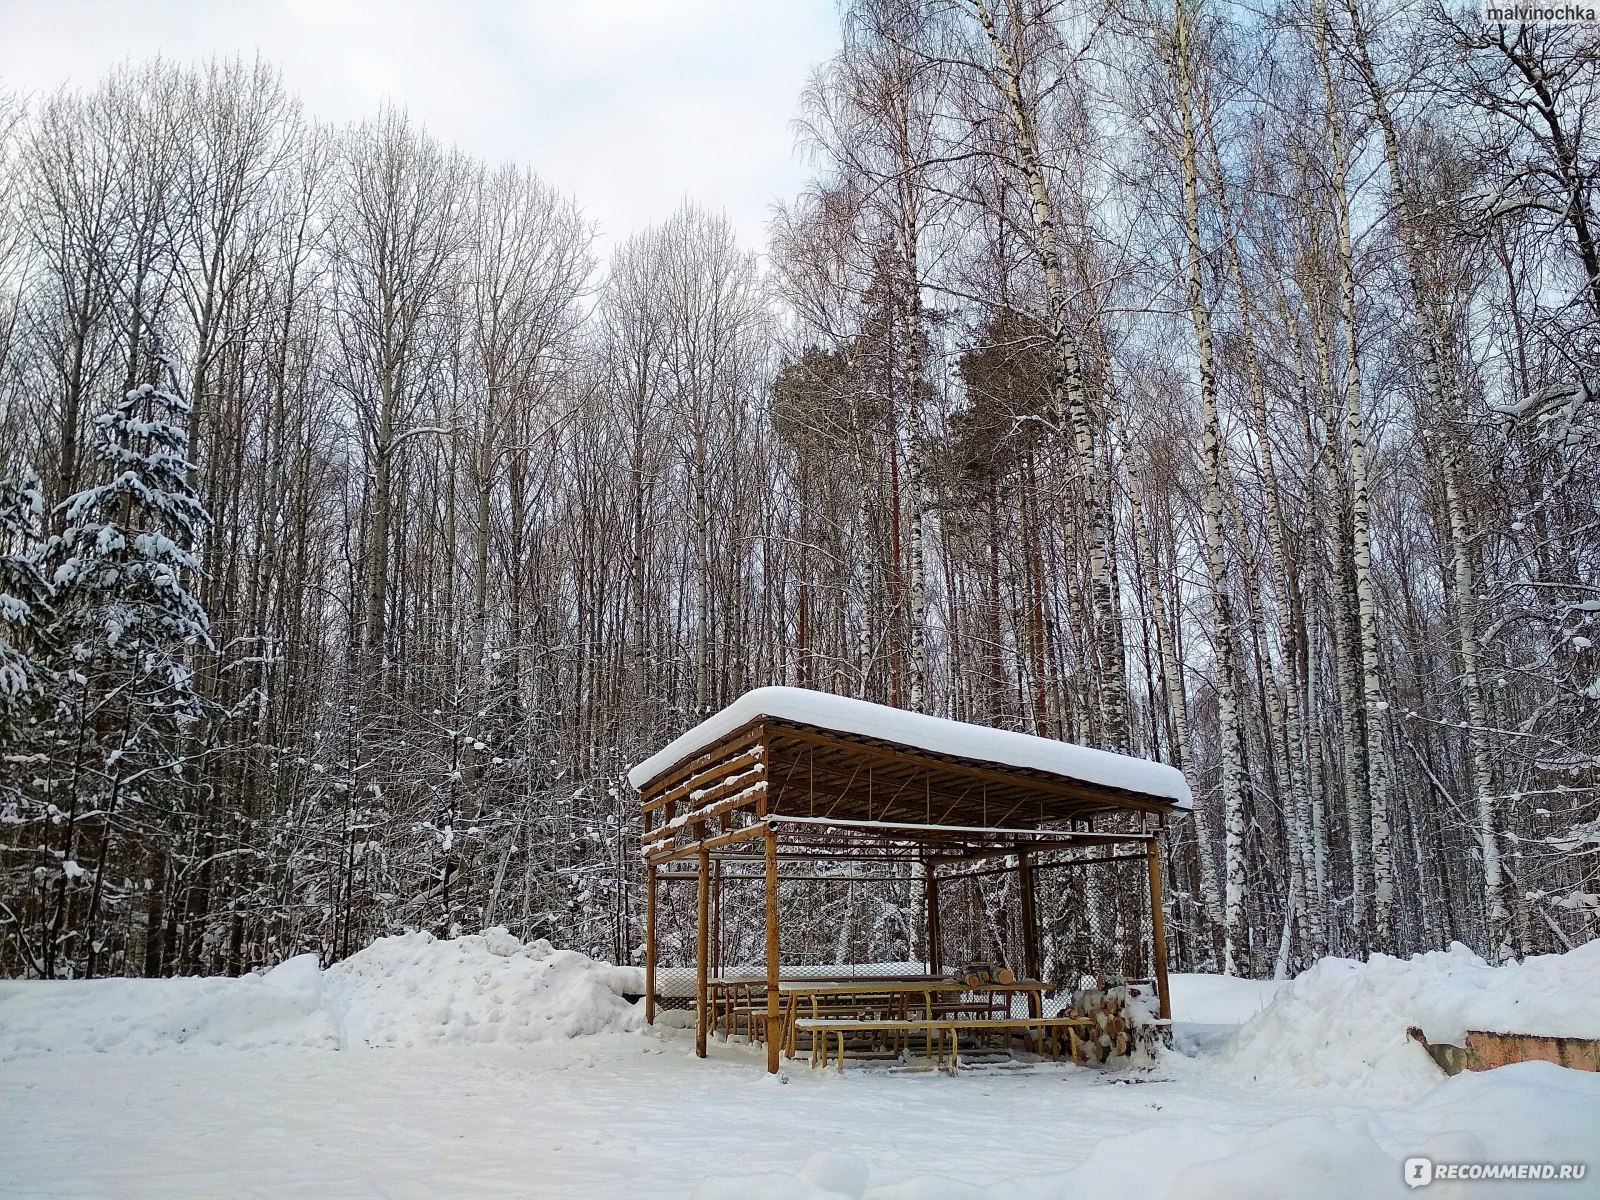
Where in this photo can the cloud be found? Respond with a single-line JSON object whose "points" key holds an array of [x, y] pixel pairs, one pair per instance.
{"points": [[630, 105]]}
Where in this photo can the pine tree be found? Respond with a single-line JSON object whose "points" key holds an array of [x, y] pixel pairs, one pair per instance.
{"points": [[126, 624]]}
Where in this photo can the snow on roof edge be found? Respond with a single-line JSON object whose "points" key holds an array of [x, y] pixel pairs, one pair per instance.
{"points": [[938, 734]]}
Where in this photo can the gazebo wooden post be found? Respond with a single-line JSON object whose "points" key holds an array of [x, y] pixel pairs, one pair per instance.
{"points": [[774, 1021], [1158, 928], [650, 944], [715, 967], [701, 947], [1030, 916], [930, 881]]}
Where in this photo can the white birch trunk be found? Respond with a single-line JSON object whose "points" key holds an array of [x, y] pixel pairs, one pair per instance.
{"points": [[1288, 626], [1445, 403], [1068, 399], [1173, 690], [1382, 932], [1352, 756], [1235, 933], [911, 374]]}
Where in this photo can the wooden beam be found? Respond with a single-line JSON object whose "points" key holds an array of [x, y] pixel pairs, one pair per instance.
{"points": [[1158, 929], [909, 831], [650, 944], [1077, 794], [1030, 917], [1038, 867], [701, 939], [774, 1022], [710, 843], [931, 900], [843, 762], [748, 795], [735, 741], [707, 778], [716, 918]]}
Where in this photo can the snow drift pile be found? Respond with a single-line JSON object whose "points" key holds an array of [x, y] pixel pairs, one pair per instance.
{"points": [[1218, 999], [1530, 1112], [1343, 1023], [411, 990]]}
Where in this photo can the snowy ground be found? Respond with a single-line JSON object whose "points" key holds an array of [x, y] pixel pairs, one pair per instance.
{"points": [[440, 1106]]}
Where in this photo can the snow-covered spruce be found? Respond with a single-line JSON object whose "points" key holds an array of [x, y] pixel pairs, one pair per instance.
{"points": [[125, 626], [25, 676], [24, 596]]}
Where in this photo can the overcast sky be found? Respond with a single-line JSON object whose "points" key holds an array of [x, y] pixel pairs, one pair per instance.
{"points": [[630, 105]]}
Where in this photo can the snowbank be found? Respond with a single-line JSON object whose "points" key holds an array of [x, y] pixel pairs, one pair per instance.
{"points": [[147, 1016], [1218, 999], [415, 990], [1343, 1023], [1530, 1112], [411, 990]]}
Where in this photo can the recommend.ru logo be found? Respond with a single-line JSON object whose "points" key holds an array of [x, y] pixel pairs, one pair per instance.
{"points": [[1420, 1172]]}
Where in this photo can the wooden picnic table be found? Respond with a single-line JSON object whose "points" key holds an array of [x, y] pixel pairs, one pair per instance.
{"points": [[914, 999], [724, 993], [905, 999]]}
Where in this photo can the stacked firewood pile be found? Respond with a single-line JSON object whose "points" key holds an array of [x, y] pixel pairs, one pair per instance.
{"points": [[1123, 1025], [976, 974]]}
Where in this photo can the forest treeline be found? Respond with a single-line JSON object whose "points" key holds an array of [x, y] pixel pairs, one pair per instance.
{"points": [[1209, 383]]}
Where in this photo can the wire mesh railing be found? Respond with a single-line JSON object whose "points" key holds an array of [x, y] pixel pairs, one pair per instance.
{"points": [[1092, 918]]}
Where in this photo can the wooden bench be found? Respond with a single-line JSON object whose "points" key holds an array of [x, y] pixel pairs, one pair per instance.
{"points": [[894, 1003], [821, 1029]]}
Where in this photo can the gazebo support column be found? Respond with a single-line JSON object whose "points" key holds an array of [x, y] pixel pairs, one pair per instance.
{"points": [[1030, 916], [650, 944], [930, 880], [701, 949], [774, 1021], [1158, 928], [715, 967]]}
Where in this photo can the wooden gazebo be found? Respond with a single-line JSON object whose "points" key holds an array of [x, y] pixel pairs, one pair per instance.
{"points": [[787, 773]]}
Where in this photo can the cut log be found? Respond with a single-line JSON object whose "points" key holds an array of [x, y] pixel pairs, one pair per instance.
{"points": [[1484, 1051]]}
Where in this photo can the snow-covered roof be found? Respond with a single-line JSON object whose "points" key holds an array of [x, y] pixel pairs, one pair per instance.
{"points": [[937, 734]]}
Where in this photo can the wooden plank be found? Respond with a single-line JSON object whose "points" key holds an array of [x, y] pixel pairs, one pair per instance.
{"points": [[755, 756], [734, 784], [701, 948], [747, 797], [1158, 929], [774, 1032], [1030, 920], [919, 1023], [847, 771], [735, 741], [710, 843], [1077, 795], [650, 945], [1022, 837]]}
